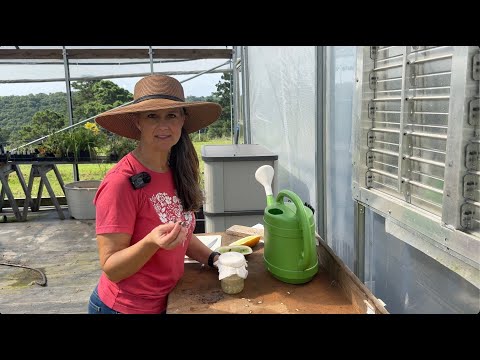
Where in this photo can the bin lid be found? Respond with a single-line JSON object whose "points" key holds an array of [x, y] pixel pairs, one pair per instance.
{"points": [[236, 152]]}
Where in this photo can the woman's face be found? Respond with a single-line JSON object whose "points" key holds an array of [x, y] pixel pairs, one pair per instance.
{"points": [[161, 129]]}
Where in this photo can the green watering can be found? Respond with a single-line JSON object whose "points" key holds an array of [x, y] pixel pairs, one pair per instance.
{"points": [[289, 253]]}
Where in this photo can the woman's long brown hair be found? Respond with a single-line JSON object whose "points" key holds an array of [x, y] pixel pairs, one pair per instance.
{"points": [[186, 170]]}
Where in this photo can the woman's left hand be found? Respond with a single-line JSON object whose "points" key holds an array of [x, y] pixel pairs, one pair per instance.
{"points": [[168, 236]]}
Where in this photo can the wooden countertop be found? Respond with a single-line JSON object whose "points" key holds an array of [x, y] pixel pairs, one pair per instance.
{"points": [[199, 292]]}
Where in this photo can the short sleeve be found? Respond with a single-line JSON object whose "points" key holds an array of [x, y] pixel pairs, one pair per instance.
{"points": [[116, 204]]}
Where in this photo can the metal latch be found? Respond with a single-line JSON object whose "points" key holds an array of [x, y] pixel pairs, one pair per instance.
{"points": [[411, 108], [470, 185], [472, 158], [371, 109], [473, 112], [370, 139], [369, 179], [468, 213], [412, 73], [373, 52], [370, 159], [476, 67], [372, 80]]}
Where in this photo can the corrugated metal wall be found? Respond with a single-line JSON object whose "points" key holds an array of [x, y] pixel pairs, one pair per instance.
{"points": [[408, 280]]}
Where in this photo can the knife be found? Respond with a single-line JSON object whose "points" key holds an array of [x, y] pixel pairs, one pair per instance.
{"points": [[212, 243]]}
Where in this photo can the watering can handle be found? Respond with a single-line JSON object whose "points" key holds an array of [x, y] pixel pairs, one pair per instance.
{"points": [[302, 217]]}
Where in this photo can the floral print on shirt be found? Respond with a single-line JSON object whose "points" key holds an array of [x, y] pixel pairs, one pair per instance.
{"points": [[170, 209]]}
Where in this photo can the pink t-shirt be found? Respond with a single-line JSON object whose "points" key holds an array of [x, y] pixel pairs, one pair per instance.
{"points": [[122, 209]]}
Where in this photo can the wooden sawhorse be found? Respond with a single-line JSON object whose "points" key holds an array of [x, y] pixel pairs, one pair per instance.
{"points": [[5, 170], [40, 170]]}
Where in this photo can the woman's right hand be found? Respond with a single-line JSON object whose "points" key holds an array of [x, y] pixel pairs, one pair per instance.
{"points": [[168, 236]]}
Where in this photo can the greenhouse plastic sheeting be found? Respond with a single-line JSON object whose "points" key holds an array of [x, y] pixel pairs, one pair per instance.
{"points": [[282, 112]]}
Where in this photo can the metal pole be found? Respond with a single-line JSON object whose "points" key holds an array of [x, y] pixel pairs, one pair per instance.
{"points": [[246, 99], [69, 103], [29, 63], [204, 72], [150, 52], [119, 76], [320, 140], [231, 99], [359, 237], [236, 100], [65, 128]]}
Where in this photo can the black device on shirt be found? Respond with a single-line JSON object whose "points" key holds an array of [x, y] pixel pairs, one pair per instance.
{"points": [[140, 180]]}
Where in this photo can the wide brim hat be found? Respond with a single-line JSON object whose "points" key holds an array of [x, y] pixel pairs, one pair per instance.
{"points": [[158, 92]]}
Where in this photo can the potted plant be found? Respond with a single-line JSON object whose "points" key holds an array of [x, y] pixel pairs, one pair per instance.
{"points": [[56, 144], [120, 146], [80, 144]]}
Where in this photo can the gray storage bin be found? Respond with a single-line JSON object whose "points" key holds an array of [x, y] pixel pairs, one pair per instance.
{"points": [[229, 175]]}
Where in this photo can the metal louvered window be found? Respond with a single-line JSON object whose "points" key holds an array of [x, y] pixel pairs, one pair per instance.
{"points": [[416, 126]]}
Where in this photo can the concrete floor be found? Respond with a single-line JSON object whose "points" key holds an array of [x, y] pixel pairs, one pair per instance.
{"points": [[66, 252]]}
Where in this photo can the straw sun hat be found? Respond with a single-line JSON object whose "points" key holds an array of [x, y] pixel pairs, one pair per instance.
{"points": [[157, 92]]}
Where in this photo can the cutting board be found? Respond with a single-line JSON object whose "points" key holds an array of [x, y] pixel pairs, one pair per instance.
{"points": [[207, 240], [241, 230]]}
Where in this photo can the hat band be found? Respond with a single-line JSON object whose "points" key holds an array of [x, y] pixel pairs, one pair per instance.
{"points": [[157, 96]]}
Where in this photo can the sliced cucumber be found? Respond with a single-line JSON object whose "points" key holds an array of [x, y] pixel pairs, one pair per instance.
{"points": [[242, 249]]}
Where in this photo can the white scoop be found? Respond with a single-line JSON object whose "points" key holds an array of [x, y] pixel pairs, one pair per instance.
{"points": [[264, 176]]}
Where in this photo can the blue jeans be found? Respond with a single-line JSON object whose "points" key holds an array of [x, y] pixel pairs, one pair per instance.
{"points": [[96, 306]]}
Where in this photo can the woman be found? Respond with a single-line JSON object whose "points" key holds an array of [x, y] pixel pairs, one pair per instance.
{"points": [[145, 204]]}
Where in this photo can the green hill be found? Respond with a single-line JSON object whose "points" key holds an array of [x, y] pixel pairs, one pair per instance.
{"points": [[16, 111]]}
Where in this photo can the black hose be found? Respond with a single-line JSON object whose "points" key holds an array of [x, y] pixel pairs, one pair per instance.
{"points": [[44, 278]]}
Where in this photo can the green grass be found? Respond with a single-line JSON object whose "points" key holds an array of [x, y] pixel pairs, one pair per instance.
{"points": [[86, 171], [198, 147]]}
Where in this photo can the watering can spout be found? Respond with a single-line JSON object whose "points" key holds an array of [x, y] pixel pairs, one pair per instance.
{"points": [[264, 175], [270, 200]]}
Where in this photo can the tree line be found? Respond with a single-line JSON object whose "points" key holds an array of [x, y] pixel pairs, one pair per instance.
{"points": [[29, 117]]}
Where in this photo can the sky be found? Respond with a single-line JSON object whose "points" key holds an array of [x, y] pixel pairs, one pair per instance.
{"points": [[202, 85]]}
